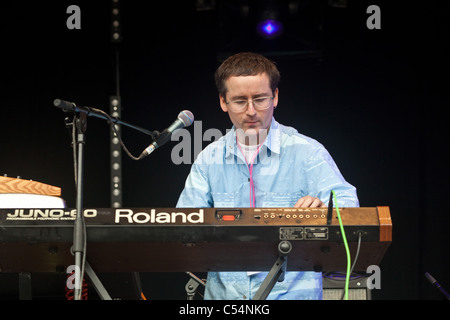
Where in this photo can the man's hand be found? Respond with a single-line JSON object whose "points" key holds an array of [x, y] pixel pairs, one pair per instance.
{"points": [[309, 202]]}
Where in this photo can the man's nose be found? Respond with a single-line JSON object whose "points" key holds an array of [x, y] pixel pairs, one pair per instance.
{"points": [[251, 111]]}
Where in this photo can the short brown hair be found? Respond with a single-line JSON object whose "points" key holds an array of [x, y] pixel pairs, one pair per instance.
{"points": [[246, 64]]}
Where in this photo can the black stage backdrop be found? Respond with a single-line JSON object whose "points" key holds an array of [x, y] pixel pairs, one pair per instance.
{"points": [[376, 99]]}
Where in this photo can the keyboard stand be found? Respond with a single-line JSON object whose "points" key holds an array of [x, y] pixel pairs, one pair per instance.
{"points": [[25, 288], [276, 274], [98, 286]]}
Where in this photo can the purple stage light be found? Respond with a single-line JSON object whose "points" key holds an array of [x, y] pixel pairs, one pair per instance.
{"points": [[270, 28]]}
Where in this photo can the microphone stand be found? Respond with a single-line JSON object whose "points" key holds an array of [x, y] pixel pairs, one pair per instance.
{"points": [[67, 106], [79, 232]]}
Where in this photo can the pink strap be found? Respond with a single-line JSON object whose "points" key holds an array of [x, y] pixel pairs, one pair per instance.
{"points": [[250, 169]]}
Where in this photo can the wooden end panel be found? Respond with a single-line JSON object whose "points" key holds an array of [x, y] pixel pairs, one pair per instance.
{"points": [[384, 217]]}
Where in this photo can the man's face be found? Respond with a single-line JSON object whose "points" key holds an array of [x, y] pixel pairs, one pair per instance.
{"points": [[250, 120]]}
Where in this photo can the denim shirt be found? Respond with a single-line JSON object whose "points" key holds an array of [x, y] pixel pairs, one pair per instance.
{"points": [[289, 166]]}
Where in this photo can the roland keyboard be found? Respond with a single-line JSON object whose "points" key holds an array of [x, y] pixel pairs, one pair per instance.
{"points": [[194, 239]]}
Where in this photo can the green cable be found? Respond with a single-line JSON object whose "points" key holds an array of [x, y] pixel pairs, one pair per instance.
{"points": [[344, 238]]}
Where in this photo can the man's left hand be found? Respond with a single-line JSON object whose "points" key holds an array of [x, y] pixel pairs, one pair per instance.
{"points": [[309, 202]]}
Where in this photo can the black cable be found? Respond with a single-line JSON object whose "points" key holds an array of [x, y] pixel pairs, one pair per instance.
{"points": [[113, 127], [330, 275]]}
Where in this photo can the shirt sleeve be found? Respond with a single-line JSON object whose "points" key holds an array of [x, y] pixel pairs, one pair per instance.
{"points": [[323, 176], [197, 191]]}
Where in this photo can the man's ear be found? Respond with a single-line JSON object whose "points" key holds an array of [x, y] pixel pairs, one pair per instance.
{"points": [[275, 98], [223, 104]]}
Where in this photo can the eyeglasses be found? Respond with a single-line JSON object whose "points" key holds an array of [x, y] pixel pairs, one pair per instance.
{"points": [[260, 103]]}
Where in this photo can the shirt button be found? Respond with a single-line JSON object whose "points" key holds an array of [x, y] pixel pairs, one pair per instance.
{"points": [[244, 297]]}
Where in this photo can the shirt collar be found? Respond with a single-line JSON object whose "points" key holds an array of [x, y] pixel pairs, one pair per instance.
{"points": [[272, 142]]}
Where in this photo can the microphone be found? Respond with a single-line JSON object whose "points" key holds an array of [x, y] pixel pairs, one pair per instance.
{"points": [[436, 284], [66, 106], [185, 119]]}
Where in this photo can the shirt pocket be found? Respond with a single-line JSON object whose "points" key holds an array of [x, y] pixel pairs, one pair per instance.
{"points": [[223, 199], [280, 199]]}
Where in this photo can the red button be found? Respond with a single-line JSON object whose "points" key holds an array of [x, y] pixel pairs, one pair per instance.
{"points": [[228, 218]]}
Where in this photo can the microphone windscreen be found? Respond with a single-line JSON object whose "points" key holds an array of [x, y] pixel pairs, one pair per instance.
{"points": [[186, 117], [430, 278]]}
